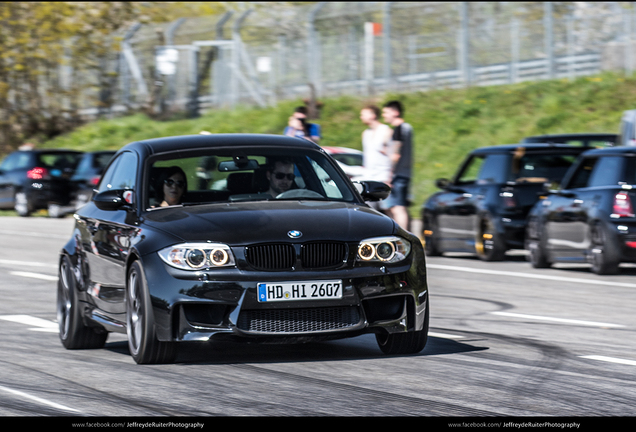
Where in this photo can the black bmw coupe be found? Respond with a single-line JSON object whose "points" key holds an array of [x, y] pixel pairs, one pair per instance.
{"points": [[250, 237]]}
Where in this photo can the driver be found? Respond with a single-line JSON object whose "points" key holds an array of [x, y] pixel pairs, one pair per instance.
{"points": [[280, 176]]}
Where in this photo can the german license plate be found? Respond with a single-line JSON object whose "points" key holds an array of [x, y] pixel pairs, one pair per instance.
{"points": [[307, 290]]}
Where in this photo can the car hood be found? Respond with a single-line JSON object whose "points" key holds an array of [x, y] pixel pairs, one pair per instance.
{"points": [[271, 221]]}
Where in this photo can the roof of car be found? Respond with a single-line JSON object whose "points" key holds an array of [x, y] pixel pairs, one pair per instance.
{"points": [[530, 147], [619, 150], [194, 142], [574, 136]]}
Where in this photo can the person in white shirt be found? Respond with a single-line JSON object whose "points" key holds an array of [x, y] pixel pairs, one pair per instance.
{"points": [[376, 146]]}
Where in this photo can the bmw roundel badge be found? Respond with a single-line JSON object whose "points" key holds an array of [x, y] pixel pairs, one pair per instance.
{"points": [[294, 234]]}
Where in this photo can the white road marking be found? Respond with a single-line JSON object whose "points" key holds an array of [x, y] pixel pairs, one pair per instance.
{"points": [[531, 276], [37, 399], [445, 335], [562, 320], [34, 234], [26, 263], [34, 275], [40, 324], [610, 359]]}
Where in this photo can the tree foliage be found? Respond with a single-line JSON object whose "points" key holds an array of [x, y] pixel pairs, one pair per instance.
{"points": [[43, 45]]}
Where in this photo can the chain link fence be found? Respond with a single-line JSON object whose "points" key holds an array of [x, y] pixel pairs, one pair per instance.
{"points": [[274, 51]]}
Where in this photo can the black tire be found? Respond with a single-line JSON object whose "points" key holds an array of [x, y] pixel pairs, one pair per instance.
{"points": [[143, 344], [430, 236], [489, 245], [411, 342], [73, 333], [604, 253], [535, 245], [21, 205]]}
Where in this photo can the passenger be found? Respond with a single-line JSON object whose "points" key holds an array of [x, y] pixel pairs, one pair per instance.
{"points": [[280, 176], [173, 184]]}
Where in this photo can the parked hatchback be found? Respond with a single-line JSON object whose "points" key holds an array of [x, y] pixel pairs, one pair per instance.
{"points": [[591, 217], [86, 177], [483, 208], [31, 180]]}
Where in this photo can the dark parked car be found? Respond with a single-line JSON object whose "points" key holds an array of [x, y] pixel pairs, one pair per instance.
{"points": [[483, 209], [87, 175], [31, 180], [579, 139], [286, 251], [591, 217]]}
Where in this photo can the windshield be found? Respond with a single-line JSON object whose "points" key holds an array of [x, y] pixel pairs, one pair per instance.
{"points": [[233, 175]]}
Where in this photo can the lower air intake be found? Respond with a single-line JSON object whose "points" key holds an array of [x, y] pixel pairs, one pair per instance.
{"points": [[299, 320]]}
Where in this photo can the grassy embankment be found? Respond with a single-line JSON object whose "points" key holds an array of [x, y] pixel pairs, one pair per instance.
{"points": [[448, 123]]}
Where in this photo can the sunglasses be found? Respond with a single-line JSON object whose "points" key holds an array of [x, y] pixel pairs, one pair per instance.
{"points": [[280, 176], [178, 183]]}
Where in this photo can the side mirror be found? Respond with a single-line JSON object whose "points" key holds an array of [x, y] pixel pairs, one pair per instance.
{"points": [[115, 199], [372, 190], [442, 183]]}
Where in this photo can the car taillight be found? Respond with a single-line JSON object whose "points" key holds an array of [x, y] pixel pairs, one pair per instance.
{"points": [[622, 205], [94, 180], [36, 173]]}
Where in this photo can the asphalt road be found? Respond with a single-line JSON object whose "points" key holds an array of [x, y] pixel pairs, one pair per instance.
{"points": [[505, 340]]}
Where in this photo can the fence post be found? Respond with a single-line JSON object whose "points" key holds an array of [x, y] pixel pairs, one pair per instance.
{"points": [[627, 29], [388, 55], [549, 35], [131, 60], [514, 50], [193, 82], [236, 58], [464, 55], [125, 67], [220, 69], [570, 42], [314, 66], [172, 79]]}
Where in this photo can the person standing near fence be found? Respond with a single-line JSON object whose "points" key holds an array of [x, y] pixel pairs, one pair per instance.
{"points": [[376, 148], [401, 159]]}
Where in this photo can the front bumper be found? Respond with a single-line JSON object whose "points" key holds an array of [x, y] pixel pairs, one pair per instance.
{"points": [[190, 306]]}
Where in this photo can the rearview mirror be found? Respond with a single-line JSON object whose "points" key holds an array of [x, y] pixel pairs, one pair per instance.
{"points": [[238, 164]]}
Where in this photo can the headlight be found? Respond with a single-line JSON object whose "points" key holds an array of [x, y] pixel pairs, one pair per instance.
{"points": [[196, 256], [383, 249]]}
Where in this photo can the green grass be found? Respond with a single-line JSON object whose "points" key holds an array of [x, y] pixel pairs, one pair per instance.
{"points": [[448, 123]]}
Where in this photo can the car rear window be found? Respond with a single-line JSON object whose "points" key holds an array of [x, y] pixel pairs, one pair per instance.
{"points": [[59, 160], [540, 168]]}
